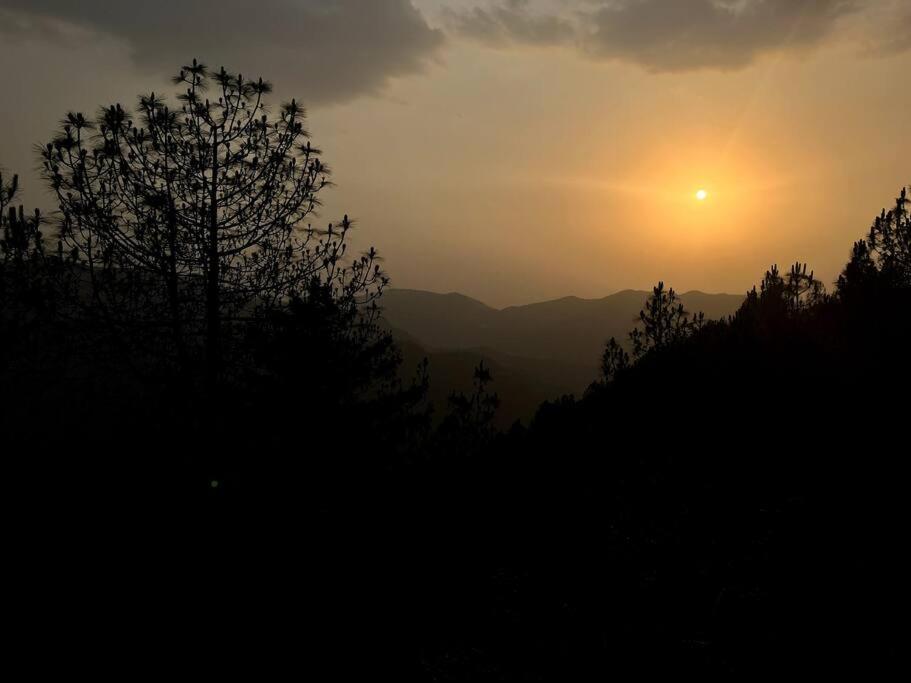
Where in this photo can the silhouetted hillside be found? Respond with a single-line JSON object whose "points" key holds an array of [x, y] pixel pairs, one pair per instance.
{"points": [[571, 330], [535, 352], [522, 384]]}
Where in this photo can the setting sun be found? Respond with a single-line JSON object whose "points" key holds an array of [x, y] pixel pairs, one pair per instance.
{"points": [[702, 195]]}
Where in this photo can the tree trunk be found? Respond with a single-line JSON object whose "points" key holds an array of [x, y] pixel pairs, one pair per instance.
{"points": [[174, 292], [213, 303]]}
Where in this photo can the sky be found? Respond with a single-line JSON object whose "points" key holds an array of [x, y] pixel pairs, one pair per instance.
{"points": [[522, 150]]}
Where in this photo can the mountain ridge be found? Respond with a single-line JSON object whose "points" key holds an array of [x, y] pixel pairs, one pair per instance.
{"points": [[569, 297], [540, 350], [569, 329]]}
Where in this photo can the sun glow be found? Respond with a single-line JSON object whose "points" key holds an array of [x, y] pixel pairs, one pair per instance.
{"points": [[702, 195]]}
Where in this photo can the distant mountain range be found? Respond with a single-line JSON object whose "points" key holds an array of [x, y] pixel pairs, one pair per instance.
{"points": [[535, 352]]}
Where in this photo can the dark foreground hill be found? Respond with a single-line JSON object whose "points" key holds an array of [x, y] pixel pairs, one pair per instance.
{"points": [[535, 352], [728, 503], [521, 384]]}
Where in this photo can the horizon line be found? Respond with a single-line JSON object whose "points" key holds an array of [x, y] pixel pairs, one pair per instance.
{"points": [[555, 299]]}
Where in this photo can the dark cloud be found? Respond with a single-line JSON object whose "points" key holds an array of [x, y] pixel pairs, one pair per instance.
{"points": [[336, 49], [895, 36], [690, 34], [511, 21], [661, 35]]}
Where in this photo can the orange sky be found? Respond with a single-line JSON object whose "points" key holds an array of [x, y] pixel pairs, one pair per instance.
{"points": [[521, 170]]}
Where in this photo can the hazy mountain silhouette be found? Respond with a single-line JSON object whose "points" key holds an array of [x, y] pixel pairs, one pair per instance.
{"points": [[535, 351]]}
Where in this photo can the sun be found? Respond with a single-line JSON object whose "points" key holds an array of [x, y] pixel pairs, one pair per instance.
{"points": [[702, 195]]}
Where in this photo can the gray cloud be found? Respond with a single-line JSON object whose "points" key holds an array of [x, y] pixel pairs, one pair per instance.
{"points": [[511, 21], [690, 34], [337, 49], [660, 35], [896, 37]]}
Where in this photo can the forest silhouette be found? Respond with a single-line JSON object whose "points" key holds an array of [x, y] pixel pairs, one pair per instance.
{"points": [[212, 445]]}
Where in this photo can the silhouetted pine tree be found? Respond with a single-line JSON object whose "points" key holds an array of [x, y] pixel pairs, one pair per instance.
{"points": [[193, 218], [889, 242], [879, 264], [28, 275], [663, 322], [20, 244], [860, 273], [802, 290], [469, 424], [36, 291], [781, 298], [614, 361]]}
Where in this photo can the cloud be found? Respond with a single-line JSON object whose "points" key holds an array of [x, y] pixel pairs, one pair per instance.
{"points": [[895, 37], [337, 49], [660, 35], [691, 34], [511, 21]]}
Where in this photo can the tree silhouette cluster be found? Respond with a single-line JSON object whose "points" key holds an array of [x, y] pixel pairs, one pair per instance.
{"points": [[190, 301], [197, 215], [662, 323]]}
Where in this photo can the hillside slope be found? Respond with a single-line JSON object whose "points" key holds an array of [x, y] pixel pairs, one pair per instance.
{"points": [[535, 352]]}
